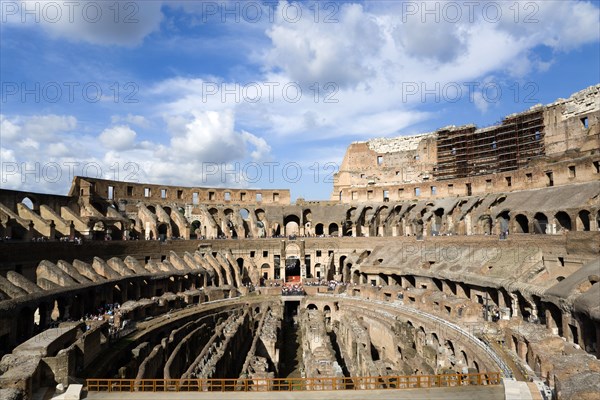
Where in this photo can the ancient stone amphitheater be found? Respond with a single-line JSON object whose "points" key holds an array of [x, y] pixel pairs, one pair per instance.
{"points": [[464, 260]]}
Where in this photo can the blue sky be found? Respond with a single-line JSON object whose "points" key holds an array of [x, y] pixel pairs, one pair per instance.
{"points": [[265, 94]]}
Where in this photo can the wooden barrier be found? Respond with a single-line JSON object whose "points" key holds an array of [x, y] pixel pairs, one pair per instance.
{"points": [[293, 384]]}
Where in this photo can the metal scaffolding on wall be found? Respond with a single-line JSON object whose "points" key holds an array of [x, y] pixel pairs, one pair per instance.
{"points": [[512, 145]]}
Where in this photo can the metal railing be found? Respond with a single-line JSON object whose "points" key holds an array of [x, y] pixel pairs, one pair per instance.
{"points": [[293, 384]]}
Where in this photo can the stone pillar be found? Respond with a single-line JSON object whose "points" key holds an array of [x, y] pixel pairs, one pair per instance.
{"points": [[514, 305], [282, 260], [380, 230], [71, 230], [29, 234], [52, 234]]}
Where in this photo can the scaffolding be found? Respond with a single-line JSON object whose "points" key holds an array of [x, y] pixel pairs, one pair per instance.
{"points": [[467, 151]]}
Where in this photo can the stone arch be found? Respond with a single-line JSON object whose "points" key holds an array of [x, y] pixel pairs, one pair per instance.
{"points": [[485, 225], [540, 223], [583, 220], [244, 213], [463, 358], [434, 340], [449, 346], [317, 269], [503, 221], [292, 224], [437, 221], [260, 214], [307, 216], [341, 264], [163, 231], [348, 223], [319, 229], [196, 229], [312, 306], [356, 277], [563, 220], [31, 202], [333, 229], [521, 224]]}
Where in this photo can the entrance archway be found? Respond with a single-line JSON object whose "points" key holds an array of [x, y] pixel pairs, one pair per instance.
{"points": [[292, 269]]}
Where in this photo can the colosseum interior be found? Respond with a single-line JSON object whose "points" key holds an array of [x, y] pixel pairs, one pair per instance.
{"points": [[464, 260]]}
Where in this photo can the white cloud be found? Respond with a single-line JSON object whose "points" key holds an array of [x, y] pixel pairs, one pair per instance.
{"points": [[8, 129], [138, 120], [204, 149], [97, 22], [58, 150], [119, 137]]}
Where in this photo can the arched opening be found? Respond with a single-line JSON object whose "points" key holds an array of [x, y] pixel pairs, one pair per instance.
{"points": [[195, 229], [162, 231], [28, 202], [503, 222], [99, 230], [464, 360], [356, 277], [311, 306], [347, 229], [264, 272], [292, 225], [341, 264], [436, 222], [306, 216], [319, 229], [333, 229], [583, 220], [292, 269], [374, 353], [540, 223], [475, 366], [240, 264], [434, 341], [521, 224], [485, 225], [563, 220], [244, 213], [152, 209]]}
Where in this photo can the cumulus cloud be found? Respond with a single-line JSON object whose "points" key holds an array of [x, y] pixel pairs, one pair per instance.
{"points": [[375, 48], [203, 148], [119, 137], [309, 51]]}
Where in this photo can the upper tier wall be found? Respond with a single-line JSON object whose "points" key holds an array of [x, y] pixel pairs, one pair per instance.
{"points": [[164, 194], [515, 154]]}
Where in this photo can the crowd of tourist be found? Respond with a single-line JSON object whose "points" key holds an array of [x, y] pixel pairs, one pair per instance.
{"points": [[293, 290], [110, 313], [331, 284]]}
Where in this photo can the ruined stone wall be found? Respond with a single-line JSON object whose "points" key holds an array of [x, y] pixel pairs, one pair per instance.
{"points": [[548, 145], [180, 195]]}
